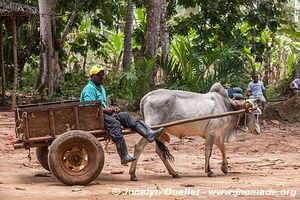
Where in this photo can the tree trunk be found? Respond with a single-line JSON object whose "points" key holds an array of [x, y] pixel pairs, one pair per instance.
{"points": [[32, 44], [164, 32], [15, 54], [269, 72], [128, 35], [165, 39], [152, 33], [119, 61], [84, 62], [278, 67], [296, 5], [272, 66], [68, 28], [267, 67], [2, 65], [56, 72], [47, 48], [284, 63], [297, 72]]}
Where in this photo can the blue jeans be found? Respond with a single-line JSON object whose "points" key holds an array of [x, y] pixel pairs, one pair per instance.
{"points": [[113, 124]]}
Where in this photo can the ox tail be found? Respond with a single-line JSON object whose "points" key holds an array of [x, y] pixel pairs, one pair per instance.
{"points": [[166, 153]]}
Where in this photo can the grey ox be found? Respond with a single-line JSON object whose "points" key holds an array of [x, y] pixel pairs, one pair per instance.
{"points": [[163, 106]]}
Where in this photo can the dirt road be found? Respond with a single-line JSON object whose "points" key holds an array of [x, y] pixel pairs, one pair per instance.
{"points": [[268, 164]]}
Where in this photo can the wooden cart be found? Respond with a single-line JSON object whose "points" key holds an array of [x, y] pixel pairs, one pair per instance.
{"points": [[66, 135]]}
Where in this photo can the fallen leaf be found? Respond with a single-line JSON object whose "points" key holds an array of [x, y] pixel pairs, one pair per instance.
{"points": [[187, 185], [263, 175], [42, 175], [117, 171], [18, 188], [235, 179], [176, 148], [274, 121], [76, 190]]}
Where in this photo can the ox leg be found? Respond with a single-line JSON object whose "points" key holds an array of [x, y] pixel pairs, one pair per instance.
{"points": [[138, 149], [222, 148], [209, 141], [166, 163]]}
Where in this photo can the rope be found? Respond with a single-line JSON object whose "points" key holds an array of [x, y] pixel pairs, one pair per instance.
{"points": [[19, 121]]}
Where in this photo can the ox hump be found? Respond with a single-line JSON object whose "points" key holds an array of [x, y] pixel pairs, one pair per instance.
{"points": [[218, 88]]}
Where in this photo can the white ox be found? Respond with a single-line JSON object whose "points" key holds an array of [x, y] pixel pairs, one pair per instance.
{"points": [[163, 106]]}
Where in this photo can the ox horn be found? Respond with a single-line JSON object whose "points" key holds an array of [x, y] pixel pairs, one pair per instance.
{"points": [[250, 106]]}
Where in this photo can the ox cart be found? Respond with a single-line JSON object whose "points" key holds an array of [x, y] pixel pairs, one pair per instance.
{"points": [[67, 137]]}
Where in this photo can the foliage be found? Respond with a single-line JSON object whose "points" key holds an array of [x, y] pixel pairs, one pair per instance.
{"points": [[279, 89], [192, 70], [211, 41], [72, 84], [140, 29], [130, 85], [28, 80]]}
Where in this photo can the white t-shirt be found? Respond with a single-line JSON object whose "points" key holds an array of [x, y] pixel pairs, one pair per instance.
{"points": [[256, 88], [296, 83]]}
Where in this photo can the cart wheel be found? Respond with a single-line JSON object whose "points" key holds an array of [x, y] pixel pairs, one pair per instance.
{"points": [[76, 158], [42, 157]]}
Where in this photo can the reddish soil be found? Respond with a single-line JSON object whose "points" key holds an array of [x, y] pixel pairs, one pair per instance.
{"points": [[268, 161]]}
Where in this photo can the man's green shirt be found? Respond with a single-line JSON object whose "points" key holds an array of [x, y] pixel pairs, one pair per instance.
{"points": [[91, 92]]}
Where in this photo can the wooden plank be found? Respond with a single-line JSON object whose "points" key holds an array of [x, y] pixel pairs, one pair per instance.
{"points": [[76, 117], [41, 139], [43, 107], [39, 124], [64, 120], [48, 103], [3, 75], [101, 117], [88, 118], [15, 58], [52, 122], [25, 121]]}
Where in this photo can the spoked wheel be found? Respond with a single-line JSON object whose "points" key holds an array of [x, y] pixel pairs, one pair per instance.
{"points": [[76, 158]]}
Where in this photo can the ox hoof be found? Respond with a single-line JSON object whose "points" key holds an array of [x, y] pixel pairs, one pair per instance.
{"points": [[133, 178], [210, 174], [224, 169], [176, 175]]}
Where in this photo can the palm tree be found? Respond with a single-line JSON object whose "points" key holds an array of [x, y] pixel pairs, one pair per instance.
{"points": [[164, 32], [128, 35], [46, 66], [152, 33]]}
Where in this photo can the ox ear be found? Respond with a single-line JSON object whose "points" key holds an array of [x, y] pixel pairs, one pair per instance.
{"points": [[257, 111]]}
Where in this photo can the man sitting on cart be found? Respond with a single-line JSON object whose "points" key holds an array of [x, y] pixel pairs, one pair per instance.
{"points": [[113, 118]]}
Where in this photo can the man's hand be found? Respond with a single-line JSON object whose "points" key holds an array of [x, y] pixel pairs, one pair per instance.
{"points": [[115, 109], [111, 110], [108, 111]]}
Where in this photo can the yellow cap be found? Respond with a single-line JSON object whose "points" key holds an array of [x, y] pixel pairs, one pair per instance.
{"points": [[95, 70]]}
